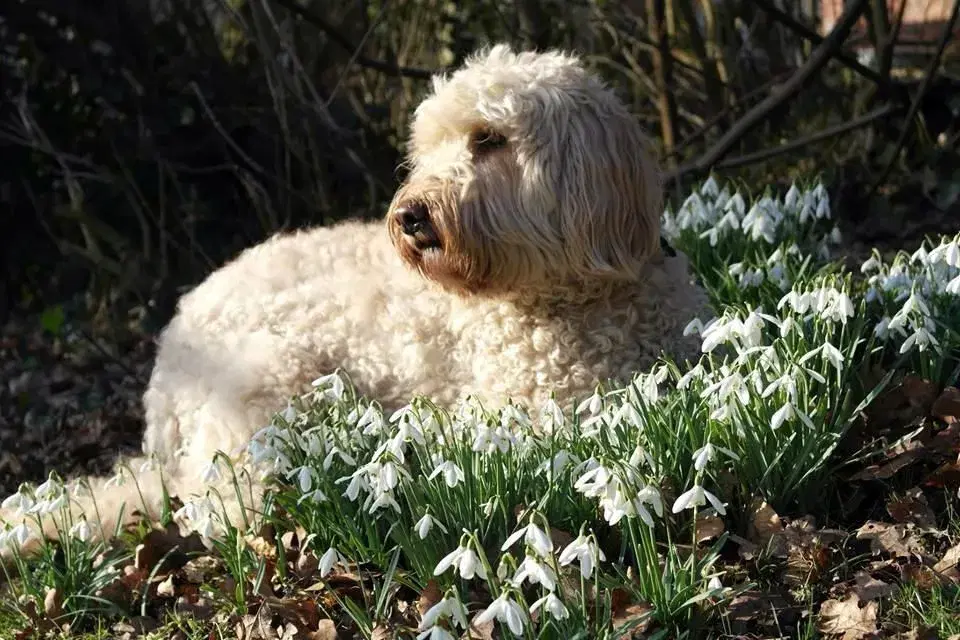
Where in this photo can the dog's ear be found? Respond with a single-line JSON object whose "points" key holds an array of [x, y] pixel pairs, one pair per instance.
{"points": [[610, 193]]}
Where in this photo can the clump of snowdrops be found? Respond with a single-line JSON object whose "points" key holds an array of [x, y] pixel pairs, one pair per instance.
{"points": [[547, 513]]}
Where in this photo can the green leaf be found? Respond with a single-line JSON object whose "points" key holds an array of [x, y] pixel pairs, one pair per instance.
{"points": [[52, 320]]}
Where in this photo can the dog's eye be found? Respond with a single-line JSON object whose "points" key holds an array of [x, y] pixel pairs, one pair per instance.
{"points": [[485, 141]]}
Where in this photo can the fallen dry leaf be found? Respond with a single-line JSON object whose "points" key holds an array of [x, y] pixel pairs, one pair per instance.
{"points": [[949, 565], [912, 507], [846, 619], [430, 596], [166, 589], [627, 616], [921, 576], [945, 476], [947, 406], [326, 630], [202, 568], [764, 522], [482, 631], [708, 527], [53, 603], [166, 544], [869, 588], [896, 539]]}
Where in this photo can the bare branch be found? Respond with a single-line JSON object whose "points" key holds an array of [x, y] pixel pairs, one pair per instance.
{"points": [[820, 57], [841, 56], [335, 35], [663, 71], [829, 132], [931, 70]]}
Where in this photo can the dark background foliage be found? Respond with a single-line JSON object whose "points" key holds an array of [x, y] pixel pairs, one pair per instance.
{"points": [[142, 144]]}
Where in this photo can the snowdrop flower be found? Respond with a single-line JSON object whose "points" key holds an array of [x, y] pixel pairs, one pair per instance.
{"points": [[953, 286], [787, 326], [882, 329], [330, 387], [557, 464], [425, 524], [585, 551], [381, 500], [336, 451], [793, 198], [464, 561], [696, 373], [871, 264], [781, 415], [552, 604], [551, 416], [490, 439], [505, 610], [20, 502], [452, 474], [921, 338], [436, 632], [535, 572], [694, 326], [371, 422], [329, 560], [290, 413], [117, 480], [533, 536], [210, 472], [710, 188], [594, 482], [449, 608], [150, 464], [200, 515], [16, 537], [695, 497], [317, 496], [800, 303], [829, 353], [593, 404], [707, 453], [82, 530]]}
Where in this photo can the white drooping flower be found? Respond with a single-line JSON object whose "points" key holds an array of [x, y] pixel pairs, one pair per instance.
{"points": [[696, 497], [506, 611], [533, 536], [425, 524], [553, 606], [330, 559], [449, 608], [585, 551], [452, 474], [535, 571], [464, 561]]}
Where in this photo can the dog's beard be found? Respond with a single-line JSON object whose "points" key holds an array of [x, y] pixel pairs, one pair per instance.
{"points": [[440, 252], [492, 237]]}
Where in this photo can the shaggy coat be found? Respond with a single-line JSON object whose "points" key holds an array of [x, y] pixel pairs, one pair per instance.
{"points": [[521, 258]]}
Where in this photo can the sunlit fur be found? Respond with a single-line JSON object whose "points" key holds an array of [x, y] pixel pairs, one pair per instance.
{"points": [[548, 277]]}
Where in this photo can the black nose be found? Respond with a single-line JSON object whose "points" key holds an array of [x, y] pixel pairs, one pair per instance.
{"points": [[413, 217]]}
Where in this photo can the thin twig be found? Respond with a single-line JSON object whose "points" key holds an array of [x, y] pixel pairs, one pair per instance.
{"points": [[727, 111], [337, 37], [932, 67], [766, 154], [818, 59], [842, 56]]}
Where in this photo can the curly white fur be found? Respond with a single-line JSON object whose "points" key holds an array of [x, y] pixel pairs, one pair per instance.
{"points": [[537, 270]]}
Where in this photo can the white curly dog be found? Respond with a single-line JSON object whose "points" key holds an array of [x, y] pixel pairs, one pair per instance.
{"points": [[521, 258]]}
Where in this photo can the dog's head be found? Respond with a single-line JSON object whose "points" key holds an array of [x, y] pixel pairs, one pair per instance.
{"points": [[526, 173]]}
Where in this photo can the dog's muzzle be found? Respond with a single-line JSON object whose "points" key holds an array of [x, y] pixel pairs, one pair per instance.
{"points": [[414, 221]]}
